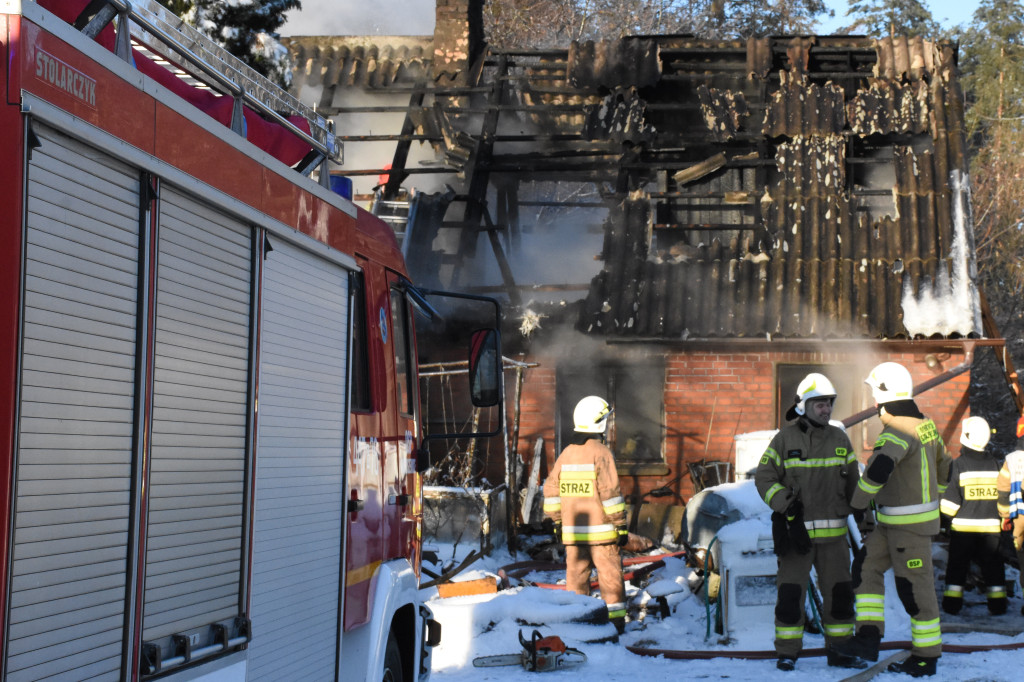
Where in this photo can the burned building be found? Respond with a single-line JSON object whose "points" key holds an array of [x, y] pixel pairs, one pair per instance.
{"points": [[684, 226]]}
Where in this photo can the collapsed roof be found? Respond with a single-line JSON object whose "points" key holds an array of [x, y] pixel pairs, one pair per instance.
{"points": [[787, 187]]}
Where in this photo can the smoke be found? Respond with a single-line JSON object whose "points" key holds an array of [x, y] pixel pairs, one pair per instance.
{"points": [[386, 17]]}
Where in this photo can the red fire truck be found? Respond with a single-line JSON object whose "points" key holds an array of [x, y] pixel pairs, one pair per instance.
{"points": [[208, 393]]}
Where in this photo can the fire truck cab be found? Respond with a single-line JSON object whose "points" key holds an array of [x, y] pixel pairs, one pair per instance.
{"points": [[208, 393]]}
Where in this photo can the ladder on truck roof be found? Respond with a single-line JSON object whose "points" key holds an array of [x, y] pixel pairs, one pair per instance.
{"points": [[168, 36]]}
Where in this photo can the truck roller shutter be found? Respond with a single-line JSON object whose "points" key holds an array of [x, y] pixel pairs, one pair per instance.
{"points": [[75, 437], [194, 550], [301, 446]]}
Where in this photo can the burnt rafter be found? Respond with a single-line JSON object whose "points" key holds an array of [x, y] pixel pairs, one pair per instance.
{"points": [[794, 187]]}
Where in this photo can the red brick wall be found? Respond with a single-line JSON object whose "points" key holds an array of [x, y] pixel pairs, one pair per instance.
{"points": [[712, 396]]}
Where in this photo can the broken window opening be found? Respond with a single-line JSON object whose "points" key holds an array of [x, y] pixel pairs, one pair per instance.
{"points": [[635, 391], [871, 176]]}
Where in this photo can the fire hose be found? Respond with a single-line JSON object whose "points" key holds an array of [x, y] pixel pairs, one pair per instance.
{"points": [[701, 654], [519, 569]]}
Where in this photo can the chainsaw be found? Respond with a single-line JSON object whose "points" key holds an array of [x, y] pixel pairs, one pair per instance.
{"points": [[539, 654]]}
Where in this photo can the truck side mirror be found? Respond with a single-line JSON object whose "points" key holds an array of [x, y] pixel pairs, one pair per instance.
{"points": [[485, 368]]}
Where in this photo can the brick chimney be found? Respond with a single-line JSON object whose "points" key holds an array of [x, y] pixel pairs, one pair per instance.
{"points": [[458, 37]]}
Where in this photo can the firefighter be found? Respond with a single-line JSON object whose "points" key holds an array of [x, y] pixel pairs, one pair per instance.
{"points": [[807, 476], [582, 498], [1009, 503], [970, 504], [902, 481]]}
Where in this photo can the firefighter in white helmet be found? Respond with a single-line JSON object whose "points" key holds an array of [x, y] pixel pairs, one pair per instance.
{"points": [[903, 479], [969, 505], [582, 498], [807, 476]]}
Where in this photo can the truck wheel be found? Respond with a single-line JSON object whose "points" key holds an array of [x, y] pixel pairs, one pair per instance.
{"points": [[392, 661]]}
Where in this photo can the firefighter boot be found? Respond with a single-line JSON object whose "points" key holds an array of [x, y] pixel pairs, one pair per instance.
{"points": [[838, 660], [863, 645], [952, 604], [619, 623], [915, 666], [997, 605], [786, 663]]}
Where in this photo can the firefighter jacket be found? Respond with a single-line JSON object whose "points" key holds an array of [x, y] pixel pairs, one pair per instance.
{"points": [[970, 497], [816, 465], [1010, 504], [582, 493], [905, 475]]}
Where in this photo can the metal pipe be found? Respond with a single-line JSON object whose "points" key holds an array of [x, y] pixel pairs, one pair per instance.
{"points": [[920, 388]]}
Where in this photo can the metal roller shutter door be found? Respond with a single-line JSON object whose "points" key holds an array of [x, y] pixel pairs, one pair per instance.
{"points": [[75, 433], [301, 445], [200, 410]]}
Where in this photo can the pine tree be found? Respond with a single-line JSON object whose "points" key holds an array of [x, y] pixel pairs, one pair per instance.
{"points": [[992, 68], [885, 18], [245, 28]]}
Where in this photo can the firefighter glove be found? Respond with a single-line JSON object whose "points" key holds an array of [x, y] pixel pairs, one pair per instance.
{"points": [[798, 537], [623, 535], [780, 534], [795, 508], [858, 516]]}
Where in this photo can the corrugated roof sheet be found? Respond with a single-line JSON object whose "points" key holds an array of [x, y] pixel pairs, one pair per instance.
{"points": [[882, 254], [369, 63], [793, 187]]}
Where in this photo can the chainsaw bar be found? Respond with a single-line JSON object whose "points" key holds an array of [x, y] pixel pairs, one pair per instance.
{"points": [[539, 654], [558, 660], [495, 661]]}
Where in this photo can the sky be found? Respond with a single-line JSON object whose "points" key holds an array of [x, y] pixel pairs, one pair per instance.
{"points": [[416, 17]]}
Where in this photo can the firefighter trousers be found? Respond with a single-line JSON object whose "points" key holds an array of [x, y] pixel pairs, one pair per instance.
{"points": [[606, 559], [831, 561], [909, 555], [982, 549]]}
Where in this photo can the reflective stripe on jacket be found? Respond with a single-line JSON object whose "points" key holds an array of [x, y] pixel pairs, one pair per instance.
{"points": [[909, 496], [582, 493], [970, 498], [818, 466]]}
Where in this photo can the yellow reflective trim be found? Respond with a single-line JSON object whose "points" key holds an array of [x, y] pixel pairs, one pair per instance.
{"points": [[788, 633], [869, 488], [908, 519], [577, 475], [772, 492], [886, 437], [354, 576], [589, 537], [826, 532]]}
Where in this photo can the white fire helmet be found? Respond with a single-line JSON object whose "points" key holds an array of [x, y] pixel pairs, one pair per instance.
{"points": [[591, 415], [814, 385], [890, 381], [974, 433]]}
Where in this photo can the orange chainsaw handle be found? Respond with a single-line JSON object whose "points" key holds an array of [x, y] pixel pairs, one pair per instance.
{"points": [[551, 643]]}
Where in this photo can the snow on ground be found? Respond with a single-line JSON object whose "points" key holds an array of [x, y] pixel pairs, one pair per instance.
{"points": [[484, 625]]}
